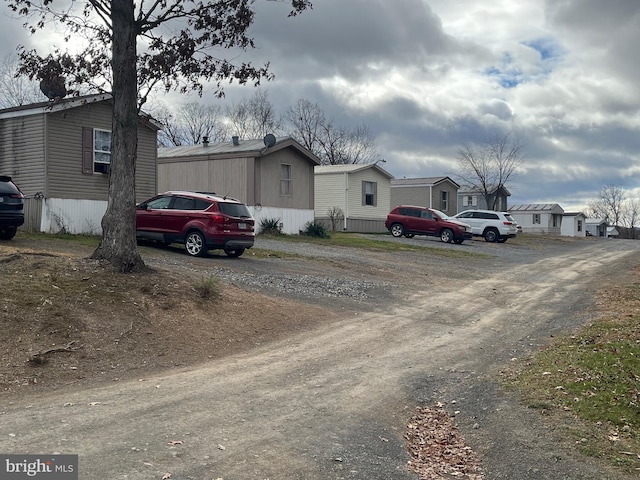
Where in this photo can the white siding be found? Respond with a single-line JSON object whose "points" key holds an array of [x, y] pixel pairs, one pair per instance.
{"points": [[292, 219], [72, 216], [330, 190]]}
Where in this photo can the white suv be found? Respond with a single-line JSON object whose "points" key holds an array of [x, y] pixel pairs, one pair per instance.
{"points": [[493, 226]]}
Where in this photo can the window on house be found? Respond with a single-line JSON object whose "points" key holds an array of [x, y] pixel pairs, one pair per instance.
{"points": [[469, 201], [369, 190], [285, 179], [579, 225], [101, 150], [555, 220], [536, 218], [444, 201]]}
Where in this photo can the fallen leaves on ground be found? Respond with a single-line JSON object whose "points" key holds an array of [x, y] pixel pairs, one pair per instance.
{"points": [[437, 449]]}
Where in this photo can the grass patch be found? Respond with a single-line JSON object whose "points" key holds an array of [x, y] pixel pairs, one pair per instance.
{"points": [[358, 240], [86, 240], [207, 288], [589, 383]]}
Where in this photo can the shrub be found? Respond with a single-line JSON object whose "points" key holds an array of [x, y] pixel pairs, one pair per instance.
{"points": [[208, 288], [270, 226], [312, 229]]}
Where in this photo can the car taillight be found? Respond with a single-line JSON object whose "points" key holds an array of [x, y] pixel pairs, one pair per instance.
{"points": [[218, 218], [508, 223], [17, 195]]}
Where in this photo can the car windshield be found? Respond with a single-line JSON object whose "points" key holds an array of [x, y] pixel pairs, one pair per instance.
{"points": [[442, 215]]}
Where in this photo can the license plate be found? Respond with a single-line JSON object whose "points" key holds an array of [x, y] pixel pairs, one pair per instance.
{"points": [[242, 226]]}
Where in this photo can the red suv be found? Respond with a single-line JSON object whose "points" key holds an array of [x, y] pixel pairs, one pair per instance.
{"points": [[408, 220], [201, 220]]}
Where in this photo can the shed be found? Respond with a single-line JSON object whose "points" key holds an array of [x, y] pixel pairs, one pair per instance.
{"points": [[59, 154], [543, 218], [361, 192], [440, 193], [273, 176]]}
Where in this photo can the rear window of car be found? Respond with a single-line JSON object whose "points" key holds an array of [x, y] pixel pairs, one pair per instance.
{"points": [[510, 218], [188, 203], [234, 209], [7, 187], [409, 212]]}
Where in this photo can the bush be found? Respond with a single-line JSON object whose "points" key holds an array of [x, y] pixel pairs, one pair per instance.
{"points": [[312, 229], [208, 288], [270, 226]]}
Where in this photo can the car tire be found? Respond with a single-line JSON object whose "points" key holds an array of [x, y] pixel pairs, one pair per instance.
{"points": [[234, 253], [397, 230], [491, 235], [446, 235], [195, 244], [7, 233]]}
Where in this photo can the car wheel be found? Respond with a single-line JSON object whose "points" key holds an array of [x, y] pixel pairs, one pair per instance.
{"points": [[397, 230], [491, 235], [446, 235], [502, 239], [195, 244], [7, 233], [234, 253]]}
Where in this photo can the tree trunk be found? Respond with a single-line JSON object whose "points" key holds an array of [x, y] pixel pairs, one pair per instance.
{"points": [[118, 244]]}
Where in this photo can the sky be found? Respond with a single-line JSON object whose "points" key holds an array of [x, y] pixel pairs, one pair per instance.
{"points": [[427, 76]]}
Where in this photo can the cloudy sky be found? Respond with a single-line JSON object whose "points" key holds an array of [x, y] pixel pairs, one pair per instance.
{"points": [[427, 76]]}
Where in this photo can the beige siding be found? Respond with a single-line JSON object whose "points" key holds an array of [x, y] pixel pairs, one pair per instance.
{"points": [[452, 204], [22, 152], [356, 209], [301, 180], [224, 177], [329, 192], [64, 155]]}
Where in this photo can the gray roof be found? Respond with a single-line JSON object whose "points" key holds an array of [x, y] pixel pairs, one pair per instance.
{"points": [[535, 207], [349, 168], [473, 189], [420, 182], [245, 148]]}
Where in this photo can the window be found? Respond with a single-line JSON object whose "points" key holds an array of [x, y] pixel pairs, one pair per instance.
{"points": [[285, 179], [369, 193], [101, 150], [536, 218], [555, 220], [579, 225], [444, 201], [469, 201]]}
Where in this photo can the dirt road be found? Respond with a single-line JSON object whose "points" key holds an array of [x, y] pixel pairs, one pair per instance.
{"points": [[333, 402]]}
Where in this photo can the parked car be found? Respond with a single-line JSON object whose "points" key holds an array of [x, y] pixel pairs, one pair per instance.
{"points": [[201, 221], [410, 220], [11, 208], [493, 226]]}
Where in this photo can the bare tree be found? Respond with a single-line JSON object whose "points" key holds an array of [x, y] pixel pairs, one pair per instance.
{"points": [[631, 215], [487, 167], [16, 89], [254, 117], [191, 124], [183, 60], [333, 144], [306, 122], [609, 204]]}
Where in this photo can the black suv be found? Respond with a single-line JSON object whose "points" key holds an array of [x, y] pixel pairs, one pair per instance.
{"points": [[11, 208]]}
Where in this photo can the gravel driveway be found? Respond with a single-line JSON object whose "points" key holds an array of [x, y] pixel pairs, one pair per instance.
{"points": [[332, 403]]}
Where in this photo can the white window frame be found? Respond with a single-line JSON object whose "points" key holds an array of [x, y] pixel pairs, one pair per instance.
{"points": [[369, 191], [101, 149], [536, 219], [285, 179], [469, 200], [444, 200]]}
